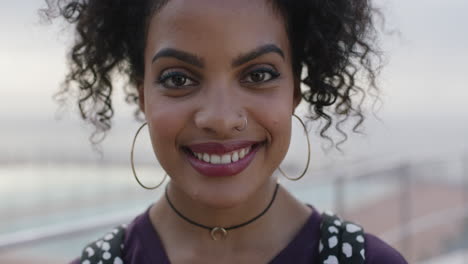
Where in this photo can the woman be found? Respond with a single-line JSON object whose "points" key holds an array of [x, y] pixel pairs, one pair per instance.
{"points": [[218, 83]]}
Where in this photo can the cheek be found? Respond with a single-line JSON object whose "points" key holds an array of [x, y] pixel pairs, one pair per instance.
{"points": [[275, 117], [165, 122], [281, 133], [162, 130]]}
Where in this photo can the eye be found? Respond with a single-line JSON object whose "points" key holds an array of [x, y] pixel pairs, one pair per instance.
{"points": [[175, 79], [261, 75]]}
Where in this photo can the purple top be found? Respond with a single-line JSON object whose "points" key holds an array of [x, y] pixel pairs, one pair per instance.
{"points": [[143, 246]]}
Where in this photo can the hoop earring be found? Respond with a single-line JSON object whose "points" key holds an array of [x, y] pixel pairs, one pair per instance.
{"points": [[133, 165], [308, 154]]}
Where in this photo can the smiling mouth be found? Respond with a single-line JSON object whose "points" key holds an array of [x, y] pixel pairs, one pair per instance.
{"points": [[215, 159], [226, 158]]}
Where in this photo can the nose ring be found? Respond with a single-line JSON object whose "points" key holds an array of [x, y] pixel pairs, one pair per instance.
{"points": [[243, 127]]}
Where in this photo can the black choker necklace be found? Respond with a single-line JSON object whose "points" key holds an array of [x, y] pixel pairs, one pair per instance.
{"points": [[221, 230]]}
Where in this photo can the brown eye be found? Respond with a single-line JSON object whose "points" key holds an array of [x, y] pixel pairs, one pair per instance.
{"points": [[178, 80], [261, 75], [175, 80], [257, 76]]}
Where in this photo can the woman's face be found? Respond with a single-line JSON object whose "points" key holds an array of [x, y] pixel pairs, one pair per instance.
{"points": [[209, 65]]}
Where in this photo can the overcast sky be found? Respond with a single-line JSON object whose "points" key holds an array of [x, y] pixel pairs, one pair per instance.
{"points": [[425, 75], [424, 84]]}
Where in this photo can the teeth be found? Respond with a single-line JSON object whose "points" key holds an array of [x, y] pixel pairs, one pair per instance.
{"points": [[206, 157], [223, 159], [226, 159], [215, 159], [242, 154], [235, 157]]}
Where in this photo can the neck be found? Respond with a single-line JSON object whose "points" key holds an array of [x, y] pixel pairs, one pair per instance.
{"points": [[227, 217], [223, 229], [218, 216], [285, 212]]}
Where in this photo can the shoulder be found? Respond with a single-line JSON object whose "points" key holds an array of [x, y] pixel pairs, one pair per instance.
{"points": [[335, 231], [377, 251], [112, 245]]}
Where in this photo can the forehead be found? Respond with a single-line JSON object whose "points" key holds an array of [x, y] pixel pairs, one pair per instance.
{"points": [[216, 26]]}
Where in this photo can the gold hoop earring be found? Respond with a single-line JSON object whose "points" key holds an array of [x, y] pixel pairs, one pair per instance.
{"points": [[133, 165], [308, 154]]}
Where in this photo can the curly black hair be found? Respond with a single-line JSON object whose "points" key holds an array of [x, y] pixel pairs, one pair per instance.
{"points": [[334, 41]]}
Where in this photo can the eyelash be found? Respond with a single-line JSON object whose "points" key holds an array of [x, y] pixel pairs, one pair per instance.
{"points": [[274, 74], [162, 80], [168, 75]]}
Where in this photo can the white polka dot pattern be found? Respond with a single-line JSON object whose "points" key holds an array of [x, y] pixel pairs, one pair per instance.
{"points": [[90, 251], [331, 260], [333, 230], [347, 250], [105, 246], [352, 228], [118, 260], [360, 239], [340, 241], [332, 241], [107, 250]]}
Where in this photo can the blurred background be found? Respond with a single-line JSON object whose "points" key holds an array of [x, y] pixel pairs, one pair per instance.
{"points": [[405, 179]]}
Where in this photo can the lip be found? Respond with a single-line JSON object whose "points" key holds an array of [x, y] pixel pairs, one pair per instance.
{"points": [[221, 170]]}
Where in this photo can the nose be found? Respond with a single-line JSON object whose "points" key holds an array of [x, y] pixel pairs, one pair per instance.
{"points": [[221, 114]]}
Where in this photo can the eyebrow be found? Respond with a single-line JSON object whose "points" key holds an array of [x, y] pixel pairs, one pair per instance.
{"points": [[198, 62], [262, 50], [180, 55]]}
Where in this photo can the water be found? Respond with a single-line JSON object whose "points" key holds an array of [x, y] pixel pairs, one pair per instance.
{"points": [[50, 176], [37, 196]]}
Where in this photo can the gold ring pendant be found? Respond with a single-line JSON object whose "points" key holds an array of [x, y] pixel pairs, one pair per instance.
{"points": [[218, 232]]}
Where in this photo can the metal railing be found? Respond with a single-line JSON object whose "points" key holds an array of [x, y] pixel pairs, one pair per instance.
{"points": [[41, 234], [403, 173]]}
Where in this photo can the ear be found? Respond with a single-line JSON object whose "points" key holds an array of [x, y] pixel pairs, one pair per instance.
{"points": [[141, 96]]}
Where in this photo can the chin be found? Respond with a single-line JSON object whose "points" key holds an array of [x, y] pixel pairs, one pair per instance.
{"points": [[223, 195]]}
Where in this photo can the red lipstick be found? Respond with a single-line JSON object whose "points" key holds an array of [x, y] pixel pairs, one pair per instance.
{"points": [[220, 149]]}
